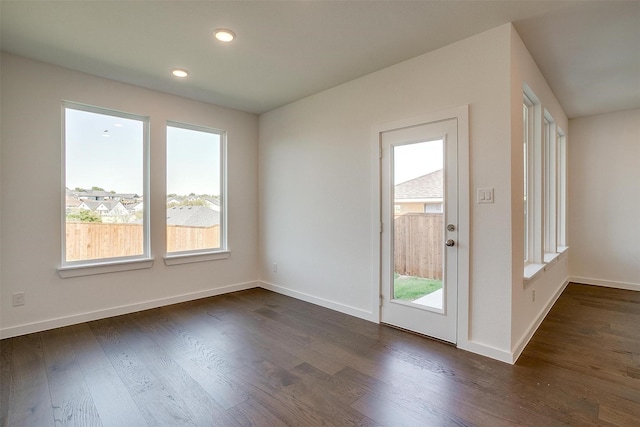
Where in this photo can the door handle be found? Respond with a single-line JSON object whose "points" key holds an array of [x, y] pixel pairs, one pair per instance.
{"points": [[450, 242]]}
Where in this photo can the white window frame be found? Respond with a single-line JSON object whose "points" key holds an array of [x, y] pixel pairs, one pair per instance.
{"points": [[223, 252], [532, 131], [550, 188], [527, 139], [106, 265]]}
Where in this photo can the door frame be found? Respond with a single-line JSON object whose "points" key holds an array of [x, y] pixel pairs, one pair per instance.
{"points": [[461, 114]]}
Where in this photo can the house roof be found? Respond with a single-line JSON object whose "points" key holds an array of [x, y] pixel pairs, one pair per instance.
{"points": [[95, 193], [427, 186], [94, 204], [127, 195], [192, 216], [71, 201]]}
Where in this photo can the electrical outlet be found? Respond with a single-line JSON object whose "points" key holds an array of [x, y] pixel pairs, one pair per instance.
{"points": [[533, 295], [275, 267], [18, 299]]}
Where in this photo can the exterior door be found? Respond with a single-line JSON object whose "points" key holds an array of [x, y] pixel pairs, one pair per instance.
{"points": [[419, 254]]}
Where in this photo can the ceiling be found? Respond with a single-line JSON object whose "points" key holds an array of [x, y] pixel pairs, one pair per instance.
{"points": [[589, 51]]}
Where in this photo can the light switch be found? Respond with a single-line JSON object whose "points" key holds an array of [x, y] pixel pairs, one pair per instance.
{"points": [[485, 195]]}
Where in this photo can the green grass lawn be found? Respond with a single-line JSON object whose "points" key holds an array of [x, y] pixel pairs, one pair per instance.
{"points": [[409, 288]]}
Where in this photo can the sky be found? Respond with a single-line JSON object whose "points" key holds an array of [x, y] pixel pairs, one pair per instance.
{"points": [[191, 156], [416, 159], [107, 152]]}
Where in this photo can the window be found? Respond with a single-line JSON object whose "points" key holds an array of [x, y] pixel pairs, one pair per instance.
{"points": [[196, 220], [545, 187], [527, 150], [433, 208], [550, 186], [105, 180], [562, 192]]}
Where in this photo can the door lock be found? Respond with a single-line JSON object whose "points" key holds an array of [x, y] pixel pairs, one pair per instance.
{"points": [[451, 227]]}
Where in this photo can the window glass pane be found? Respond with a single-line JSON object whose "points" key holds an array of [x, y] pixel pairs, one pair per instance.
{"points": [[418, 226], [194, 189], [104, 180]]}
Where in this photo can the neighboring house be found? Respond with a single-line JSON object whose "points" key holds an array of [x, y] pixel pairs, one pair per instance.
{"points": [[420, 195], [173, 201], [135, 207], [109, 210], [127, 198], [192, 216], [72, 203], [212, 203], [96, 195]]}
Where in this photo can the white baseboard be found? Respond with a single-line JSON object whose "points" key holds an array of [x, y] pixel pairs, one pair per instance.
{"points": [[605, 283], [533, 327], [117, 311], [342, 308], [486, 350]]}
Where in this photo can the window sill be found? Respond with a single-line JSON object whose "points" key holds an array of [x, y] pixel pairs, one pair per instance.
{"points": [[550, 259], [531, 271], [190, 257], [103, 267]]}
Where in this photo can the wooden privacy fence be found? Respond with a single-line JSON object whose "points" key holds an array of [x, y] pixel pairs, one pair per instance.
{"points": [[180, 238], [418, 245], [90, 240]]}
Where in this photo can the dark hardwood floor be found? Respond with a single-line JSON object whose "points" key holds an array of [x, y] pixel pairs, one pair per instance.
{"points": [[259, 358]]}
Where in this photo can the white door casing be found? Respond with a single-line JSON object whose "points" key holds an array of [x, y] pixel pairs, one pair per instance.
{"points": [[449, 322]]}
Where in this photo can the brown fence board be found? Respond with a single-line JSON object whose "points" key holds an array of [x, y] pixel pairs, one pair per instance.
{"points": [[90, 240], [181, 238], [418, 245]]}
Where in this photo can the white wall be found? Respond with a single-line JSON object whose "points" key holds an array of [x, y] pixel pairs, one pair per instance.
{"points": [[31, 197], [317, 189], [604, 180], [526, 313]]}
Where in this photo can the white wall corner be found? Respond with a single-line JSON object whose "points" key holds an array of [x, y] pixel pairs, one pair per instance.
{"points": [[332, 305], [486, 350], [605, 283], [535, 324]]}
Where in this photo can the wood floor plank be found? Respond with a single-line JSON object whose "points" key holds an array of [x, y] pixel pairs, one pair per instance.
{"points": [[207, 367], [256, 358], [113, 402], [283, 404], [251, 413], [6, 354], [157, 404], [70, 397], [387, 413], [29, 397], [183, 388]]}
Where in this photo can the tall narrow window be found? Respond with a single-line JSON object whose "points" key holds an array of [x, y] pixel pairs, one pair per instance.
{"points": [[527, 138], [550, 186], [562, 191], [195, 189], [105, 157]]}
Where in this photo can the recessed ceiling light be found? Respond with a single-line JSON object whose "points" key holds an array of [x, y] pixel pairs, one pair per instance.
{"points": [[179, 72], [224, 35]]}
